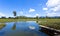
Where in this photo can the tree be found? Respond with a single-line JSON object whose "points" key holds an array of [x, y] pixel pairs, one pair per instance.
{"points": [[10, 17], [14, 12], [3, 17], [37, 19]]}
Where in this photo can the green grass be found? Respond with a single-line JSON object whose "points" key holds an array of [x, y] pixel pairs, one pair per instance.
{"points": [[14, 20], [2, 25], [53, 23]]}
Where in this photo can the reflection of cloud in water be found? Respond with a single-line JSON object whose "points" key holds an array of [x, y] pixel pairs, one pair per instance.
{"points": [[31, 27]]}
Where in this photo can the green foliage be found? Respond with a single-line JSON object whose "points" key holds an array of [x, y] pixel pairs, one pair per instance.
{"points": [[3, 17]]}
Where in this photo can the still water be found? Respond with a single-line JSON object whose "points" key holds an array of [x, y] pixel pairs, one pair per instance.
{"points": [[23, 28]]}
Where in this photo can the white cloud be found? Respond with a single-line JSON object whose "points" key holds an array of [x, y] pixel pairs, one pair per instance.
{"points": [[53, 14], [54, 7], [31, 10], [28, 15], [45, 8], [57, 8], [1, 14], [52, 3], [36, 15], [21, 12]]}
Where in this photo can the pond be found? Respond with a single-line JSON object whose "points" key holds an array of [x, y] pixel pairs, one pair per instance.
{"points": [[23, 28]]}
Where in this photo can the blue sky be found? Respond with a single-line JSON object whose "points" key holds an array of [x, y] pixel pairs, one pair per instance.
{"points": [[29, 8]]}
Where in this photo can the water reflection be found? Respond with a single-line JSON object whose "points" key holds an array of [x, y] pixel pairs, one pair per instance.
{"points": [[21, 29], [14, 26]]}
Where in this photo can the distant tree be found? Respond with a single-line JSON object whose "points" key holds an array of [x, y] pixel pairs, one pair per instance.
{"points": [[10, 17], [37, 17], [46, 17], [21, 17], [14, 13], [3, 17]]}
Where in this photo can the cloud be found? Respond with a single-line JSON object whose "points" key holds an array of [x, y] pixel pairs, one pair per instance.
{"points": [[54, 7], [53, 3], [31, 10], [28, 15], [1, 14], [53, 14], [37, 15], [45, 8], [21, 12]]}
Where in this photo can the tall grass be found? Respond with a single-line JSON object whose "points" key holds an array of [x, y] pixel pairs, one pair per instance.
{"points": [[53, 23]]}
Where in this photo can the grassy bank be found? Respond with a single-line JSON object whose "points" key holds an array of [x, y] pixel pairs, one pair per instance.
{"points": [[2, 26], [14, 20], [53, 23]]}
